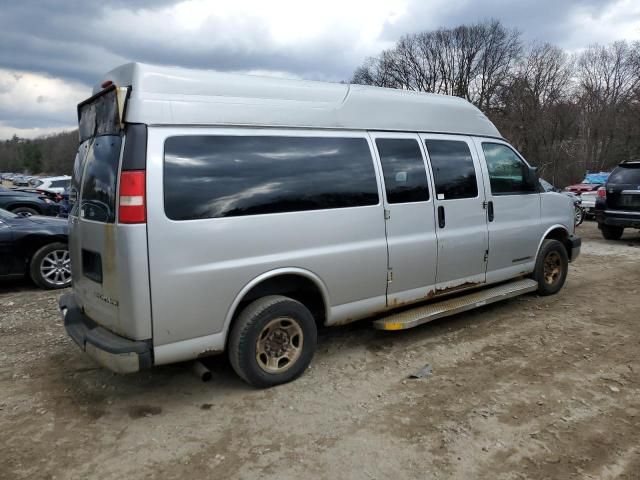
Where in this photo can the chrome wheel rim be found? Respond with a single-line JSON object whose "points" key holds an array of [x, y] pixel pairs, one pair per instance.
{"points": [[552, 267], [279, 345], [55, 267], [578, 216]]}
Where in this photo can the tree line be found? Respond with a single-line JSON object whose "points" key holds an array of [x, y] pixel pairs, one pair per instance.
{"points": [[53, 154], [567, 114]]}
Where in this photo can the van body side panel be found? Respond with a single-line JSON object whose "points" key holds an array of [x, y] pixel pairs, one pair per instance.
{"points": [[198, 267], [556, 209]]}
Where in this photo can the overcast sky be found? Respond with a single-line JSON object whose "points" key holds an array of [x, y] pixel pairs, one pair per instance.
{"points": [[53, 51]]}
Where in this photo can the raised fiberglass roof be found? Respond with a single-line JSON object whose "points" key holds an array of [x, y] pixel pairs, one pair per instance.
{"points": [[178, 96]]}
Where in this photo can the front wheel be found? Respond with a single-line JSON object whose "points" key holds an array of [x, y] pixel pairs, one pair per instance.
{"points": [[552, 266], [579, 215], [272, 341], [51, 267], [26, 210]]}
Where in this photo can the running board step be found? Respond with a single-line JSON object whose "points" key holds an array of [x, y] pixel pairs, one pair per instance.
{"points": [[418, 316]]}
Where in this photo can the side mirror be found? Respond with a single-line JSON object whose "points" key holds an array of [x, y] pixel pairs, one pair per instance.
{"points": [[531, 177]]}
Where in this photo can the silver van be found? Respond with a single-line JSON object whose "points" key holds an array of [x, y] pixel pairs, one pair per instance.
{"points": [[218, 212]]}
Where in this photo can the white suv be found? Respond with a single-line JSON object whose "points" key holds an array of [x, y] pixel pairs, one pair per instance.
{"points": [[53, 184]]}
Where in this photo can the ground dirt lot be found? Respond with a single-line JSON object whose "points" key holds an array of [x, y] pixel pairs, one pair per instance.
{"points": [[529, 388]]}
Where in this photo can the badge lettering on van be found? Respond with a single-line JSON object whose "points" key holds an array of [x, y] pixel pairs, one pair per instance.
{"points": [[110, 301]]}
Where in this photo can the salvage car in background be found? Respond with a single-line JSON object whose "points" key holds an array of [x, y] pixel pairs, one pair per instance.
{"points": [[591, 182], [31, 202], [52, 184], [35, 246], [618, 203]]}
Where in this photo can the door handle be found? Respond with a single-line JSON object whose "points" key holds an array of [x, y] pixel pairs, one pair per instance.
{"points": [[490, 211], [441, 222]]}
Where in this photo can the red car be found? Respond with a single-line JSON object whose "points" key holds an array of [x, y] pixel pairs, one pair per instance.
{"points": [[591, 182]]}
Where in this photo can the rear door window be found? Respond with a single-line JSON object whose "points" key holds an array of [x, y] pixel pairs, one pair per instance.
{"points": [[453, 171], [99, 182], [625, 175], [212, 176], [405, 176]]}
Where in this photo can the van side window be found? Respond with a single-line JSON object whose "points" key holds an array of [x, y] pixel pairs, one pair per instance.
{"points": [[211, 176], [405, 176], [506, 170], [453, 170]]}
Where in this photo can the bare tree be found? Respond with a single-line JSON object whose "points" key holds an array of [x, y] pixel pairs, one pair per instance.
{"points": [[470, 61], [609, 80], [566, 114]]}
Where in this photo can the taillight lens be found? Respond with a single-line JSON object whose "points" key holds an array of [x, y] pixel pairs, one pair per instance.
{"points": [[132, 204], [602, 192]]}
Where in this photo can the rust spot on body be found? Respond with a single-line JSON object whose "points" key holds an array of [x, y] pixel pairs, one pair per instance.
{"points": [[209, 353]]}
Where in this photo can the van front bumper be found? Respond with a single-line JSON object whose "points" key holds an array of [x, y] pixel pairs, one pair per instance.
{"points": [[112, 351], [574, 242]]}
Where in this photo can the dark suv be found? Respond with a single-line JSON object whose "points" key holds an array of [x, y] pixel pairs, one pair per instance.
{"points": [[618, 203]]}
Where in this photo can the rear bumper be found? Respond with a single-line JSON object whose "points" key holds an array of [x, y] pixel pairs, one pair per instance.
{"points": [[618, 218], [575, 243], [116, 353]]}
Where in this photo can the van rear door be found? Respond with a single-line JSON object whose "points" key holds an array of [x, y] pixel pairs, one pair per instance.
{"points": [[109, 258]]}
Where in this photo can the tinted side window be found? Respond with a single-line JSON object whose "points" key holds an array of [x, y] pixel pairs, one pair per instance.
{"points": [[99, 182], [405, 177], [625, 174], [225, 176], [453, 170], [506, 170]]}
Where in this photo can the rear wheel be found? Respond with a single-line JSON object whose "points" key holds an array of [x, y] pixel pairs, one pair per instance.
{"points": [[610, 232], [551, 269], [28, 210], [51, 266], [272, 341]]}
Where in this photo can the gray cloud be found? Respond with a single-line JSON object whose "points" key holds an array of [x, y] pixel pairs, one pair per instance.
{"points": [[78, 40]]}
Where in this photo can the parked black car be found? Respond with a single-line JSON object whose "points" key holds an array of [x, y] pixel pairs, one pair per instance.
{"points": [[34, 203], [618, 202], [35, 246]]}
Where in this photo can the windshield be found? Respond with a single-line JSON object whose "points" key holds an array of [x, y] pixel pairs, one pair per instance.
{"points": [[6, 215]]}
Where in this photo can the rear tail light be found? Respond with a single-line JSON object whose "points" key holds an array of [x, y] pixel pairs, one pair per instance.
{"points": [[132, 202], [602, 192]]}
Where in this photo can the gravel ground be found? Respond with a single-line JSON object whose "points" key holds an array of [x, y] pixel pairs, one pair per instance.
{"points": [[528, 388]]}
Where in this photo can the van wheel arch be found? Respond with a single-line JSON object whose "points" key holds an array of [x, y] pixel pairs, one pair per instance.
{"points": [[298, 286], [560, 234]]}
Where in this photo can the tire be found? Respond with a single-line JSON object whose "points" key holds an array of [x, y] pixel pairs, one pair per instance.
{"points": [[28, 210], [552, 266], [579, 215], [610, 232], [279, 321], [53, 257]]}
